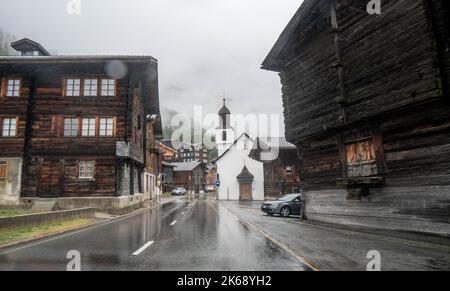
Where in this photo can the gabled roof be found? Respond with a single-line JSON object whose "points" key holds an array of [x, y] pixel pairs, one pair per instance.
{"points": [[235, 142], [167, 164], [149, 71], [165, 145], [266, 143], [186, 167], [27, 45], [310, 11]]}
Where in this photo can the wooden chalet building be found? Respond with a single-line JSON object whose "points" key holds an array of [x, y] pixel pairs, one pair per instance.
{"points": [[153, 157], [367, 104], [169, 154], [74, 127], [280, 166], [190, 176], [193, 152]]}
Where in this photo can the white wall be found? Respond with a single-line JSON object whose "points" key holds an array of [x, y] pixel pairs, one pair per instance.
{"points": [[231, 165], [10, 188], [150, 186]]}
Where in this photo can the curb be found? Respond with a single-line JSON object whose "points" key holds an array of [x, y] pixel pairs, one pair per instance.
{"points": [[80, 228], [284, 247]]}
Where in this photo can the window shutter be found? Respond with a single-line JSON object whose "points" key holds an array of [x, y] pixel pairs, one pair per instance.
{"points": [[3, 87], [3, 170], [60, 126]]}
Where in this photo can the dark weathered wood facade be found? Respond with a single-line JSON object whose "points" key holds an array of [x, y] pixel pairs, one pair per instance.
{"points": [[367, 104], [280, 169], [51, 158], [190, 176]]}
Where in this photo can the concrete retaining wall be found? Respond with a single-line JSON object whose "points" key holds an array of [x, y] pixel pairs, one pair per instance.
{"points": [[44, 218], [112, 205], [389, 208]]}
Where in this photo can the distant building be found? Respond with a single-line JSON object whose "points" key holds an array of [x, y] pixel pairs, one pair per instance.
{"points": [[211, 175], [190, 176], [280, 166], [169, 154], [167, 177], [153, 156], [193, 152], [71, 132]]}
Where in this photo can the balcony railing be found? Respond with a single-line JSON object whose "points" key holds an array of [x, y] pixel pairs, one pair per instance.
{"points": [[129, 150]]}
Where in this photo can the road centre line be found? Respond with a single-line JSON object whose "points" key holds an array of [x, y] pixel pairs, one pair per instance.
{"points": [[143, 248]]}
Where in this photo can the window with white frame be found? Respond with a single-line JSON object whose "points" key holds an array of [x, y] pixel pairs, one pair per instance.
{"points": [[73, 87], [88, 127], [86, 169], [13, 88], [9, 127], [71, 127], [90, 87], [108, 87], [106, 126]]}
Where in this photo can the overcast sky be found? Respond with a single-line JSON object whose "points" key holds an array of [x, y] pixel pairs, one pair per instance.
{"points": [[205, 48]]}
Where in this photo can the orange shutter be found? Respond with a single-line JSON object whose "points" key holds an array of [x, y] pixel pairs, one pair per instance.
{"points": [[3, 170], [3, 87]]}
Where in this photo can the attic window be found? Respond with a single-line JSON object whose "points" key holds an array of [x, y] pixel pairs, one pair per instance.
{"points": [[30, 53], [73, 87]]}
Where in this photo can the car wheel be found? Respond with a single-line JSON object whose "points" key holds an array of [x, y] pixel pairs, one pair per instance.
{"points": [[285, 212]]}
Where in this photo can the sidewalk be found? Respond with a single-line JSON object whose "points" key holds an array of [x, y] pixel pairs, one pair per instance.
{"points": [[335, 247]]}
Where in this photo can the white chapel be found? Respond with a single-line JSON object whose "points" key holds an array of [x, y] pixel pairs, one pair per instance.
{"points": [[240, 177]]}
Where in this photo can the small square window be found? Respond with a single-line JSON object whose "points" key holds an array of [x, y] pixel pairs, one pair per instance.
{"points": [[88, 127], [73, 87], [108, 87], [86, 169], [13, 88], [90, 87], [289, 170], [9, 127]]}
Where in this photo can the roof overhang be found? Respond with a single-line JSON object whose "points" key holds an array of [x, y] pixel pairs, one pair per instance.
{"points": [[276, 59], [27, 45]]}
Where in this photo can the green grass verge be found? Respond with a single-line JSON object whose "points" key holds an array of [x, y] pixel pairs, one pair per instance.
{"points": [[17, 234], [11, 213]]}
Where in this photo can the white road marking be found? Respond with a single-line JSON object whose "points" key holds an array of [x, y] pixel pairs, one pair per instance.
{"points": [[173, 223], [144, 247]]}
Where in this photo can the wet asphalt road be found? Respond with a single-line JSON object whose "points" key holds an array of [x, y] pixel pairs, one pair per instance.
{"points": [[197, 236]]}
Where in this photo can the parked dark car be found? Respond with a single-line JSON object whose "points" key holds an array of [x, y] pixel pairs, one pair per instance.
{"points": [[179, 192], [286, 206]]}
